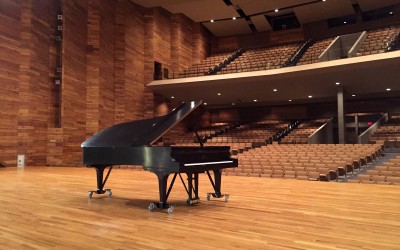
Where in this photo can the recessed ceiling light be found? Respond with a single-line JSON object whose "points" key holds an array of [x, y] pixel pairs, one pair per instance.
{"points": [[212, 20], [338, 83], [172, 97], [391, 13], [205, 103], [323, 0], [275, 90], [310, 96], [388, 89], [255, 100], [219, 94], [290, 100], [353, 95], [344, 22], [234, 18], [233, 103], [276, 10]]}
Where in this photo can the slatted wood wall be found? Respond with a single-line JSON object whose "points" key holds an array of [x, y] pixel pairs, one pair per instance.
{"points": [[27, 52], [10, 43], [109, 48]]}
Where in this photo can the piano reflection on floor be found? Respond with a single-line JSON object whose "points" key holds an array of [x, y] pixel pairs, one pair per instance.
{"points": [[130, 143]]}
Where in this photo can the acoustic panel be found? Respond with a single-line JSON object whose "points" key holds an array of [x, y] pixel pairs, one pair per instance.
{"points": [[324, 10], [228, 27], [261, 23]]}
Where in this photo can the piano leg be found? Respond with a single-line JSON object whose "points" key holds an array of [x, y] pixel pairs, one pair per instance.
{"points": [[216, 183], [162, 186], [217, 186], [100, 181], [193, 190]]}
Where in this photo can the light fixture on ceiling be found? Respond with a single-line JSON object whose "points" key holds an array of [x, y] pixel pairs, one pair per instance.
{"points": [[353, 95], [323, 0], [290, 100], [234, 18], [344, 22], [388, 89], [205, 103], [276, 10], [275, 90], [233, 104], [212, 20], [219, 94], [391, 13], [255, 100], [172, 97], [310, 96], [337, 83]]}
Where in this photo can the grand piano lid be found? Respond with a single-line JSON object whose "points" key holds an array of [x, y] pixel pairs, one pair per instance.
{"points": [[141, 132]]}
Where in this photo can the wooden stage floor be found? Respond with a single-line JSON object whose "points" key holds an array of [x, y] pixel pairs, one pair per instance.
{"points": [[42, 208]]}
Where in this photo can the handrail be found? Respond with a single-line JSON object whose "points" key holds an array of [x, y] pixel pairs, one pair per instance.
{"points": [[364, 137], [328, 138], [357, 45], [225, 62], [299, 53]]}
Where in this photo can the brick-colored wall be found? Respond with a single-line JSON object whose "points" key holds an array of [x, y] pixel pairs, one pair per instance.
{"points": [[109, 49]]}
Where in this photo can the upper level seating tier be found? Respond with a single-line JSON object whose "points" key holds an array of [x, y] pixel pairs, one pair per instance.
{"points": [[261, 59], [378, 40], [314, 51]]}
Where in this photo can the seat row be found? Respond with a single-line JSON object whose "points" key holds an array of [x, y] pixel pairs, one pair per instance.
{"points": [[388, 174], [330, 161]]}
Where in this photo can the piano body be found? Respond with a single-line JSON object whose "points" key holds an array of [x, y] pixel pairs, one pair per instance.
{"points": [[130, 143]]}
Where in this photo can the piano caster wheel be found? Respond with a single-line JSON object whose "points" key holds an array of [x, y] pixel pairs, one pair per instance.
{"points": [[226, 197], [170, 210], [191, 202], [152, 206], [90, 194], [109, 193]]}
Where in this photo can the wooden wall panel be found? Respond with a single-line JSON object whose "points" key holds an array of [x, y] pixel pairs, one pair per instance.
{"points": [[181, 43], [129, 61], [107, 97], [135, 63], [201, 42], [41, 70], [93, 68], [74, 80], [109, 48], [157, 48], [262, 39], [10, 27], [28, 65]]}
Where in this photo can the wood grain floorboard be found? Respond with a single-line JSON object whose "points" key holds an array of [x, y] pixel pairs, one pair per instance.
{"points": [[44, 208]]}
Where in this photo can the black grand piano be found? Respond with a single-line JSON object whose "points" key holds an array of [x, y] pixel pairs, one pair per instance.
{"points": [[130, 143]]}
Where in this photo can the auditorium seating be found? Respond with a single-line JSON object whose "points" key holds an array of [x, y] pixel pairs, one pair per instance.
{"points": [[314, 51], [388, 174], [239, 138], [389, 133], [378, 40], [200, 69], [306, 161], [275, 57], [300, 134], [261, 59]]}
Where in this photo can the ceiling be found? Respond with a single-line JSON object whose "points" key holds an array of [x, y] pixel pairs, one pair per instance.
{"points": [[305, 11], [367, 76]]}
